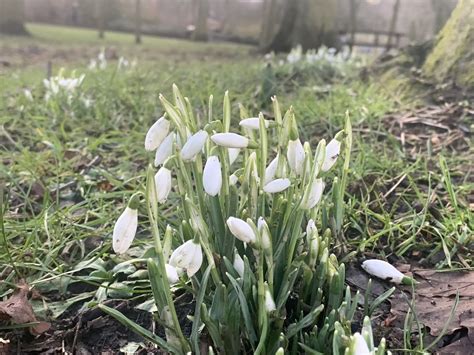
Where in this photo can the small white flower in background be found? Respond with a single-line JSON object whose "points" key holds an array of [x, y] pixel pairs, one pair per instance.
{"points": [[385, 271], [87, 101], [238, 264], [165, 149], [277, 185], [230, 140], [194, 145], [212, 176], [124, 230], [253, 123], [271, 169], [295, 55], [172, 274], [233, 154], [163, 184], [122, 63], [156, 134], [241, 230], [269, 302], [233, 179], [28, 94], [102, 60], [188, 256], [92, 65], [313, 194], [358, 345], [332, 152], [295, 155]]}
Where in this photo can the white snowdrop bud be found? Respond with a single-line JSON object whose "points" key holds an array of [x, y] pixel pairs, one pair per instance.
{"points": [[241, 230], [230, 140], [239, 265], [313, 194], [383, 270], [233, 179], [264, 231], [165, 149], [194, 145], [124, 230], [212, 176], [295, 155], [188, 256], [269, 302], [332, 152], [252, 123], [277, 185], [156, 134], [358, 345], [163, 184]]}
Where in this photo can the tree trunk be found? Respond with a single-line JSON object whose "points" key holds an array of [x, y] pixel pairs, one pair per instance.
{"points": [[452, 57], [12, 17], [101, 18], [393, 24], [138, 22], [200, 32], [311, 23]]}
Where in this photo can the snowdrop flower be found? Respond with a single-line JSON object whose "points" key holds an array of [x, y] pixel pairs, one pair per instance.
{"points": [[212, 176], [238, 264], [233, 154], [163, 184], [359, 345], [102, 60], [264, 231], [230, 140], [295, 55], [310, 228], [269, 302], [156, 134], [87, 101], [313, 194], [126, 227], [241, 230], [385, 271], [122, 63], [277, 185], [194, 145], [253, 123], [332, 152], [271, 169], [92, 65], [188, 256], [28, 94], [233, 179], [165, 149], [172, 274], [295, 155]]}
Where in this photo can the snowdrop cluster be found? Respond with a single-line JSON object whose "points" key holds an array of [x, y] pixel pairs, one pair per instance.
{"points": [[250, 205], [61, 85]]}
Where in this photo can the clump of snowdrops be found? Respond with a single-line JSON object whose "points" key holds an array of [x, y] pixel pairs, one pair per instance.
{"points": [[258, 211]]}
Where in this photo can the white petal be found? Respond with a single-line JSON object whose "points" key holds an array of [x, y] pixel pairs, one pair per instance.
{"points": [[310, 227], [383, 270], [163, 184], [230, 140], [196, 261], [233, 154], [264, 233], [239, 265], [194, 145], [332, 152], [359, 346], [252, 123], [124, 230], [165, 149], [269, 302], [212, 176], [241, 230], [172, 274], [156, 134], [233, 179], [277, 185], [187, 256], [315, 193], [271, 169], [295, 155]]}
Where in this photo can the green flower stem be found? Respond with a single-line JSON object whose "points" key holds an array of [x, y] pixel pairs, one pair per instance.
{"points": [[295, 233]]}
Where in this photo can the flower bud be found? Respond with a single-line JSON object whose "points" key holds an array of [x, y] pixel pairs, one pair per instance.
{"points": [[385, 271], [233, 154], [233, 179], [124, 230], [194, 145], [358, 345], [313, 194], [239, 264], [241, 230], [163, 184], [253, 123], [295, 155], [277, 185], [230, 140], [188, 256], [212, 176], [165, 149], [269, 302], [265, 236], [156, 134], [332, 152]]}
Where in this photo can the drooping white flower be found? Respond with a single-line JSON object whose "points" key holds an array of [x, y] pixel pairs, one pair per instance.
{"points": [[295, 155], [187, 256], [271, 169], [233, 179], [124, 230], [269, 302], [313, 194], [277, 185], [156, 134], [163, 184], [212, 176], [165, 149], [383, 270], [230, 140], [194, 145], [241, 230], [253, 123], [239, 265], [172, 274], [233, 154], [332, 152]]}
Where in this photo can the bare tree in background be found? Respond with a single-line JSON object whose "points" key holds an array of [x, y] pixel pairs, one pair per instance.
{"points": [[311, 23], [200, 32], [393, 24], [101, 18], [138, 22], [442, 10], [12, 17]]}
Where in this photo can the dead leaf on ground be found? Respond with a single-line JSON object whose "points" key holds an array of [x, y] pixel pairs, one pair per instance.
{"points": [[17, 309]]}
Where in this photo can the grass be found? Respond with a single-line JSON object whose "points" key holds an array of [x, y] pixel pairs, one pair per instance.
{"points": [[68, 169]]}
